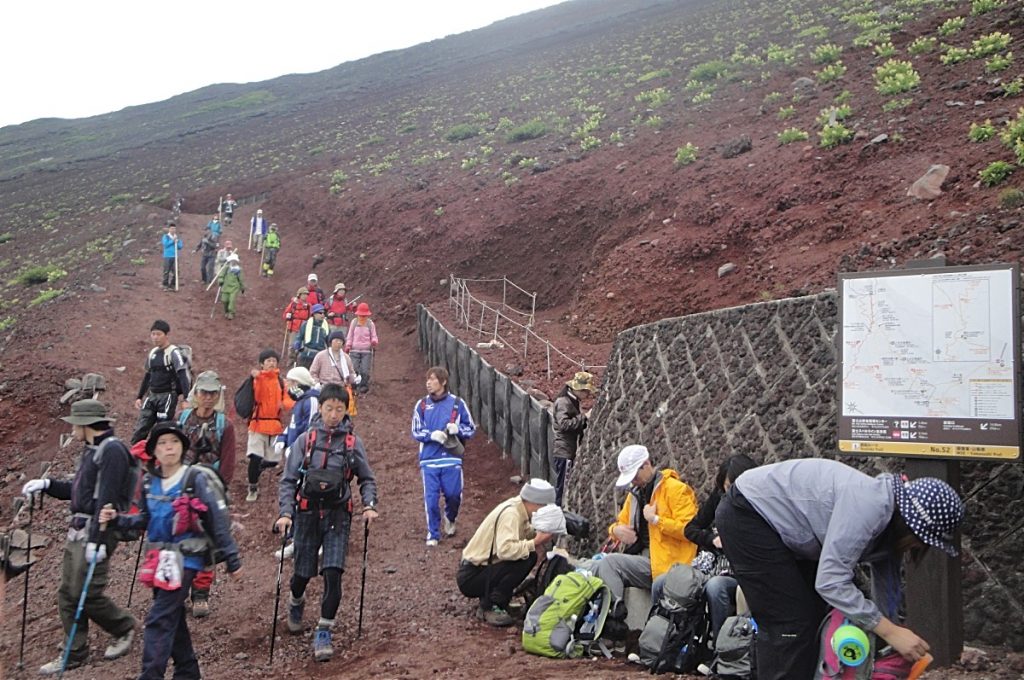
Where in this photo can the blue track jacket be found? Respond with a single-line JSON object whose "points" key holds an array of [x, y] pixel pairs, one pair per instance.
{"points": [[429, 415]]}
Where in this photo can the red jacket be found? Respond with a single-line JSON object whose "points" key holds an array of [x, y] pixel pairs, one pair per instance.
{"points": [[299, 311], [316, 296], [337, 309]]}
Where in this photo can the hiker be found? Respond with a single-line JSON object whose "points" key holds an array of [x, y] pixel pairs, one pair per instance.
{"points": [[165, 381], [338, 308], [171, 527], [223, 254], [649, 526], [215, 227], [227, 206], [569, 424], [315, 497], [295, 313], [332, 366], [271, 245], [441, 422], [270, 401], [258, 230], [171, 245], [104, 477], [211, 436], [316, 293], [360, 344], [795, 532], [311, 337], [503, 551], [231, 285], [306, 394], [720, 589], [209, 245]]}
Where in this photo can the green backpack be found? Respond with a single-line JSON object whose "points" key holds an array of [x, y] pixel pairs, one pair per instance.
{"points": [[568, 618]]}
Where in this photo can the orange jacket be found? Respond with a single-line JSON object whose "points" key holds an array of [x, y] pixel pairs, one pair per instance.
{"points": [[272, 401], [677, 505]]}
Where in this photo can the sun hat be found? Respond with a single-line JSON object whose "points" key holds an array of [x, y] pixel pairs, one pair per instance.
{"points": [[363, 309], [208, 381], [317, 309], [166, 427], [582, 381], [538, 491], [88, 412], [301, 375], [631, 459], [340, 286], [302, 291], [931, 509]]}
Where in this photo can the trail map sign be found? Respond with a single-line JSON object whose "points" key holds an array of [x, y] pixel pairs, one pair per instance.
{"points": [[930, 363]]}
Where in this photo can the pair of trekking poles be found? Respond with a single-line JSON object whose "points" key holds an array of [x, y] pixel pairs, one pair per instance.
{"points": [[19, 504], [280, 573]]}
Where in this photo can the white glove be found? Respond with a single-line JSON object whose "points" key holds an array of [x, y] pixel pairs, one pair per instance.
{"points": [[357, 380], [452, 428], [439, 436], [94, 552], [279, 448], [34, 485]]}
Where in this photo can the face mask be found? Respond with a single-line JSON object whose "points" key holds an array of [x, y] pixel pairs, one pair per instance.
{"points": [[295, 392], [235, 270]]}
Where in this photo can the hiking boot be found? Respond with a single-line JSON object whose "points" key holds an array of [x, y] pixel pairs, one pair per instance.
{"points": [[322, 649], [200, 607], [289, 551], [295, 610], [53, 668], [448, 527], [495, 616], [120, 646], [254, 493], [431, 542]]}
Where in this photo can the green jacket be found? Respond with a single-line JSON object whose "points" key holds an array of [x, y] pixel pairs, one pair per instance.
{"points": [[231, 282], [272, 240]]}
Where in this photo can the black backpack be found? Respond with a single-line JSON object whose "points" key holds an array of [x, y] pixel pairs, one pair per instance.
{"points": [[675, 637], [130, 499], [245, 399]]}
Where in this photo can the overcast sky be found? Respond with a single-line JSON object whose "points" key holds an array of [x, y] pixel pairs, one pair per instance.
{"points": [[75, 58]]}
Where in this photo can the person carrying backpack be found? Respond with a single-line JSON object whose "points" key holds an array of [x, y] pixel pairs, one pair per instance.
{"points": [[338, 308], [360, 344], [306, 393], [187, 529], [316, 293], [270, 401], [215, 227], [783, 522], [503, 552], [227, 207], [271, 245], [294, 314], [165, 381], [103, 478], [315, 497], [312, 336], [208, 245], [211, 436], [231, 284], [569, 423]]}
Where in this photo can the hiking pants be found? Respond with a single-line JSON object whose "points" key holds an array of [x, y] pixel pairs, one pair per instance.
{"points": [[168, 279], [166, 636], [778, 586], [229, 301], [98, 606], [446, 481], [270, 259], [362, 361], [619, 570], [563, 469], [206, 267], [493, 584], [257, 242], [156, 407]]}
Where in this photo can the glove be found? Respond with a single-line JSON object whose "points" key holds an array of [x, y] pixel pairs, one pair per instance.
{"points": [[279, 448], [358, 379], [94, 552], [452, 428], [288, 316], [439, 436], [34, 485]]}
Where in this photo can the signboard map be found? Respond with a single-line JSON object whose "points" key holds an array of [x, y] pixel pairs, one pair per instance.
{"points": [[930, 363]]}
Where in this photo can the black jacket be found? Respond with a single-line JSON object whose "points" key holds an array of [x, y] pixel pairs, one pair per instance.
{"points": [[113, 474], [701, 529], [569, 425]]}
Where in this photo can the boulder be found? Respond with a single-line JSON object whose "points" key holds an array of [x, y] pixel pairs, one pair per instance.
{"points": [[725, 269], [737, 146], [929, 185]]}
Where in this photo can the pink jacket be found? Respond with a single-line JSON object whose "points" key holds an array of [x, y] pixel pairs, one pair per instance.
{"points": [[361, 338]]}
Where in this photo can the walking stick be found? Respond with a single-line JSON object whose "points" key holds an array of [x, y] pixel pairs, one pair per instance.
{"points": [[362, 585], [284, 345], [251, 227], [220, 210], [81, 602], [277, 595], [175, 263], [215, 278], [28, 571], [135, 572]]}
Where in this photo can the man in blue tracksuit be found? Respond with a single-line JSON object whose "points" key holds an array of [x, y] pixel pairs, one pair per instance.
{"points": [[171, 246], [441, 422]]}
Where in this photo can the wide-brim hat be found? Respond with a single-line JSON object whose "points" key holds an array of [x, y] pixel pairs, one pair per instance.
{"points": [[582, 381], [631, 459], [208, 381], [166, 427], [88, 412], [339, 287], [363, 309], [931, 509]]}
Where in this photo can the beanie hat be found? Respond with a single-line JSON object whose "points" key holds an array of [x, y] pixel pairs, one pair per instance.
{"points": [[335, 335], [301, 375], [269, 354], [538, 491], [161, 325]]}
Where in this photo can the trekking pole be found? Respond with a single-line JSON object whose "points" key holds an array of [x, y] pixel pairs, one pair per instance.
{"points": [[28, 571], [284, 345], [175, 263], [215, 299], [81, 601], [250, 236], [219, 272], [362, 585], [277, 595], [135, 572]]}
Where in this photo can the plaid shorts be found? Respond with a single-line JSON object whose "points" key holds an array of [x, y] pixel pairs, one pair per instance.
{"points": [[312, 531]]}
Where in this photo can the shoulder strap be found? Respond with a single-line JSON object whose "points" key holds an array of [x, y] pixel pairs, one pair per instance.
{"points": [[183, 418], [220, 421], [168, 354], [494, 538]]}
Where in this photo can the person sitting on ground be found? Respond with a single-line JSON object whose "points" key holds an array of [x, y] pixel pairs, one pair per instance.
{"points": [[312, 337], [360, 344], [320, 509], [294, 314], [569, 423], [720, 589], [649, 526], [794, 533], [166, 634], [503, 552]]}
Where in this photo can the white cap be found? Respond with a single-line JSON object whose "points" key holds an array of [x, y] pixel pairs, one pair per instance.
{"points": [[631, 459], [233, 257], [260, 211], [312, 277]]}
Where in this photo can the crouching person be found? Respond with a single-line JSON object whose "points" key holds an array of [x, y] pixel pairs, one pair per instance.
{"points": [[315, 497], [503, 551], [649, 527], [178, 510]]}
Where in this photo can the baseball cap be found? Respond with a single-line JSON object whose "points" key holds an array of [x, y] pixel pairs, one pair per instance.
{"points": [[631, 459]]}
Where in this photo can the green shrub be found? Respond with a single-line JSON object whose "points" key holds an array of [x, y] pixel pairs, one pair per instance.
{"points": [[138, 261], [709, 71], [954, 55], [923, 45], [999, 62], [4, 238], [470, 162], [651, 75], [786, 112], [461, 131], [831, 72], [996, 173], [832, 114], [119, 199], [895, 76], [6, 323], [834, 134], [1011, 198], [885, 50], [45, 296], [951, 26], [984, 6], [531, 130], [826, 54], [1013, 88], [790, 135], [701, 97], [654, 98], [772, 97], [654, 122], [1014, 131], [686, 154], [843, 97], [991, 43], [981, 132], [589, 142], [896, 104], [35, 275]]}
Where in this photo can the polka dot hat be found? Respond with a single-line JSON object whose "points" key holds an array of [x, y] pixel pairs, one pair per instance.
{"points": [[931, 508]]}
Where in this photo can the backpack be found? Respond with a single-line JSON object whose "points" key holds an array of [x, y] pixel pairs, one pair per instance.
{"points": [[245, 399], [568, 618], [133, 491], [888, 666], [675, 637], [220, 422], [184, 351], [216, 486], [734, 648], [321, 487]]}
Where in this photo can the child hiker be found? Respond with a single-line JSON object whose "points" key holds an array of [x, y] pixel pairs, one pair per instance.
{"points": [[271, 245], [360, 344], [177, 549], [270, 401], [231, 285], [315, 496]]}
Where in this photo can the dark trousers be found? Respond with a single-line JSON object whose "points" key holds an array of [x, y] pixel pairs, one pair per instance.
{"points": [[168, 276], [155, 408], [166, 636], [494, 584], [98, 606], [563, 469], [779, 588], [206, 267]]}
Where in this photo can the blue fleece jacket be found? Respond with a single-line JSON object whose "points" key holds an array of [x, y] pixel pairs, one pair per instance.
{"points": [[168, 244]]}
